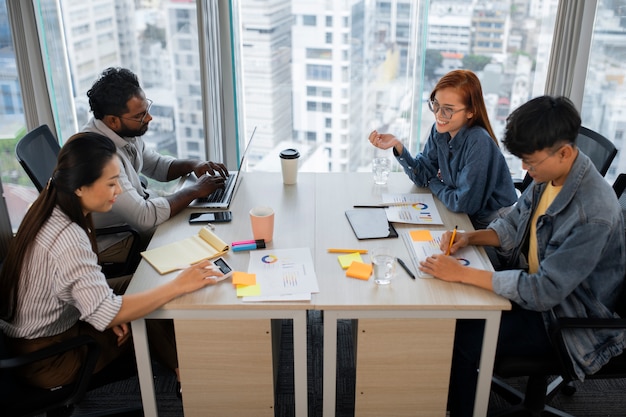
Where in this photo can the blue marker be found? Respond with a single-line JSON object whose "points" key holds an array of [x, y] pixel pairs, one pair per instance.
{"points": [[249, 246]]}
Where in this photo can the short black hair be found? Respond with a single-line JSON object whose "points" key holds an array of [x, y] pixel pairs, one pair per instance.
{"points": [[541, 123], [112, 91]]}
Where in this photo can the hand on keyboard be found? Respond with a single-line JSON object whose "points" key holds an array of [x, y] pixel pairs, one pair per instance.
{"points": [[210, 168], [208, 184]]}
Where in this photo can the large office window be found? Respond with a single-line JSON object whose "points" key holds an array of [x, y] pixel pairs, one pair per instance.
{"points": [[604, 102], [289, 67], [378, 68]]}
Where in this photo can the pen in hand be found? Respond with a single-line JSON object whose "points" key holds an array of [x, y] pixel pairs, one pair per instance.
{"points": [[406, 268], [451, 241]]}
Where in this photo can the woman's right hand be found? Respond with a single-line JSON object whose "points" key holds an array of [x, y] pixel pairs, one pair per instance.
{"points": [[384, 141], [197, 276]]}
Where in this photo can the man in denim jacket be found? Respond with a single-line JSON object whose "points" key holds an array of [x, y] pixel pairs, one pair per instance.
{"points": [[564, 245]]}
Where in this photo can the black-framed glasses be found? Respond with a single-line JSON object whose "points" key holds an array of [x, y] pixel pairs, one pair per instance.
{"points": [[446, 112], [533, 167], [143, 116]]}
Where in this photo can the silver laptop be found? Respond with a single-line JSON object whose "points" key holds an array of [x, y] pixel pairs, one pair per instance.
{"points": [[220, 198]]}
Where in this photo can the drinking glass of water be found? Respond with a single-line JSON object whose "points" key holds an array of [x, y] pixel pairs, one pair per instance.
{"points": [[384, 265], [380, 169]]}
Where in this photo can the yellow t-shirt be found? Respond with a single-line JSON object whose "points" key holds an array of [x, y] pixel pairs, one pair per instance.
{"points": [[547, 197]]}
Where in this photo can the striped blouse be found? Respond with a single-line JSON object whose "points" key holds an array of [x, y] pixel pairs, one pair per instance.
{"points": [[61, 283]]}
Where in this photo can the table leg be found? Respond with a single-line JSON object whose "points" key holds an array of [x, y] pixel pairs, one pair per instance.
{"points": [[330, 364], [144, 367], [487, 358], [300, 363]]}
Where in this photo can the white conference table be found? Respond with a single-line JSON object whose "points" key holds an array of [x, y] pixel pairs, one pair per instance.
{"points": [[225, 345], [405, 330]]}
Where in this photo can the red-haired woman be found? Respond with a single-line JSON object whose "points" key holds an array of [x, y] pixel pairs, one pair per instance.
{"points": [[461, 162]]}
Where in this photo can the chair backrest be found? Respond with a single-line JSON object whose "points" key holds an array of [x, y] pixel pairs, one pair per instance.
{"points": [[37, 152], [6, 231], [597, 147]]}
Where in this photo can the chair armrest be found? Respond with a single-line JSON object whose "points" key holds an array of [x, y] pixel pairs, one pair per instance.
{"points": [[570, 323], [93, 349], [111, 230], [589, 323]]}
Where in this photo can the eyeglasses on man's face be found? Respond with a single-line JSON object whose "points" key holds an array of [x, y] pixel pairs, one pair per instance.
{"points": [[142, 116], [533, 167], [445, 111]]}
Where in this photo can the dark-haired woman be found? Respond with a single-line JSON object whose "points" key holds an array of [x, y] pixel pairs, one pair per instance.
{"points": [[51, 286]]}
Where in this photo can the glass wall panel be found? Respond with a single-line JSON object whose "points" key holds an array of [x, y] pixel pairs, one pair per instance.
{"points": [[157, 40], [322, 84], [18, 190], [604, 101]]}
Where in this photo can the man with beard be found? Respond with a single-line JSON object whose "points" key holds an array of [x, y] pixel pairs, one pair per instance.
{"points": [[121, 112]]}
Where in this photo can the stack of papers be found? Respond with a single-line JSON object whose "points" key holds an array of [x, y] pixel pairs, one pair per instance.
{"points": [[281, 275]]}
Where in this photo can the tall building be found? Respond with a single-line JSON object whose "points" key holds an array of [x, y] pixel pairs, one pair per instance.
{"points": [[266, 57], [182, 32], [331, 53]]}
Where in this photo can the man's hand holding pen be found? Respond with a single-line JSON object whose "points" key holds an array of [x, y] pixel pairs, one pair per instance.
{"points": [[444, 266]]}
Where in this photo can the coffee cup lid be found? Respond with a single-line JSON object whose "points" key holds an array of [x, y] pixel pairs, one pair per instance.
{"points": [[290, 154]]}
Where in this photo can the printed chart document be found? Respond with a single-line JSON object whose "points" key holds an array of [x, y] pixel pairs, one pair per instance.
{"points": [[177, 255], [283, 275], [416, 208], [424, 243]]}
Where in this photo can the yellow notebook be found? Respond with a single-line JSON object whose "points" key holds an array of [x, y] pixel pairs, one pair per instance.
{"points": [[173, 256]]}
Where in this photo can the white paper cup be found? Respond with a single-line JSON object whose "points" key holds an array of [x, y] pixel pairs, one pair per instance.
{"points": [[289, 165]]}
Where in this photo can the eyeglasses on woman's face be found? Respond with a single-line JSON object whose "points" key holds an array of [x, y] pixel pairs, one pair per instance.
{"points": [[445, 111], [141, 117]]}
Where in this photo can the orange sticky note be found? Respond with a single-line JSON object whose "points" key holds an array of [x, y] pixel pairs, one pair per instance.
{"points": [[359, 270], [421, 235], [243, 278]]}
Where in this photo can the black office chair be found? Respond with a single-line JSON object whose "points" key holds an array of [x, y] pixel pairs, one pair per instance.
{"points": [[37, 152], [554, 373], [599, 149], [20, 399]]}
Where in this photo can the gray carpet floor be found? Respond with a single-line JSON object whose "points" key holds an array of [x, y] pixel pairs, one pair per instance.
{"points": [[602, 398]]}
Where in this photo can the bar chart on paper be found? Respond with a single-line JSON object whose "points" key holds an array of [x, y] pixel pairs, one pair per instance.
{"points": [[416, 208]]}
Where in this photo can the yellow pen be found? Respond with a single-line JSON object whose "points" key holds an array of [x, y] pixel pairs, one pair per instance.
{"points": [[333, 250], [451, 241]]}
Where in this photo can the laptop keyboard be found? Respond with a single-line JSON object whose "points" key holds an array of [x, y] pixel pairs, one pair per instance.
{"points": [[217, 195]]}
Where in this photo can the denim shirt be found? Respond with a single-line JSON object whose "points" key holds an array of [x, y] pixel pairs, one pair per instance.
{"points": [[468, 173], [580, 240]]}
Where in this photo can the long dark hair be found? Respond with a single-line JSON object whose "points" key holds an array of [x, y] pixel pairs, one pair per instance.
{"points": [[80, 163], [468, 86]]}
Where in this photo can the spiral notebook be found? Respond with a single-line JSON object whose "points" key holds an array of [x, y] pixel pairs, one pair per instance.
{"points": [[370, 223]]}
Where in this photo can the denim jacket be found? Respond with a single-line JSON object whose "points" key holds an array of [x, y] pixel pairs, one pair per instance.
{"points": [[468, 173], [580, 240]]}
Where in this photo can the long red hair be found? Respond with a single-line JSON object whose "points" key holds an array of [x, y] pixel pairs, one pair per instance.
{"points": [[468, 86]]}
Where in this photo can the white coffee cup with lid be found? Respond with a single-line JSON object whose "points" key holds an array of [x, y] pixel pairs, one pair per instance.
{"points": [[289, 165]]}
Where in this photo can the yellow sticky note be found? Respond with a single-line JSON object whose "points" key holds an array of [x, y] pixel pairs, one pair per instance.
{"points": [[243, 278], [347, 259], [359, 270], [247, 290], [421, 235]]}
